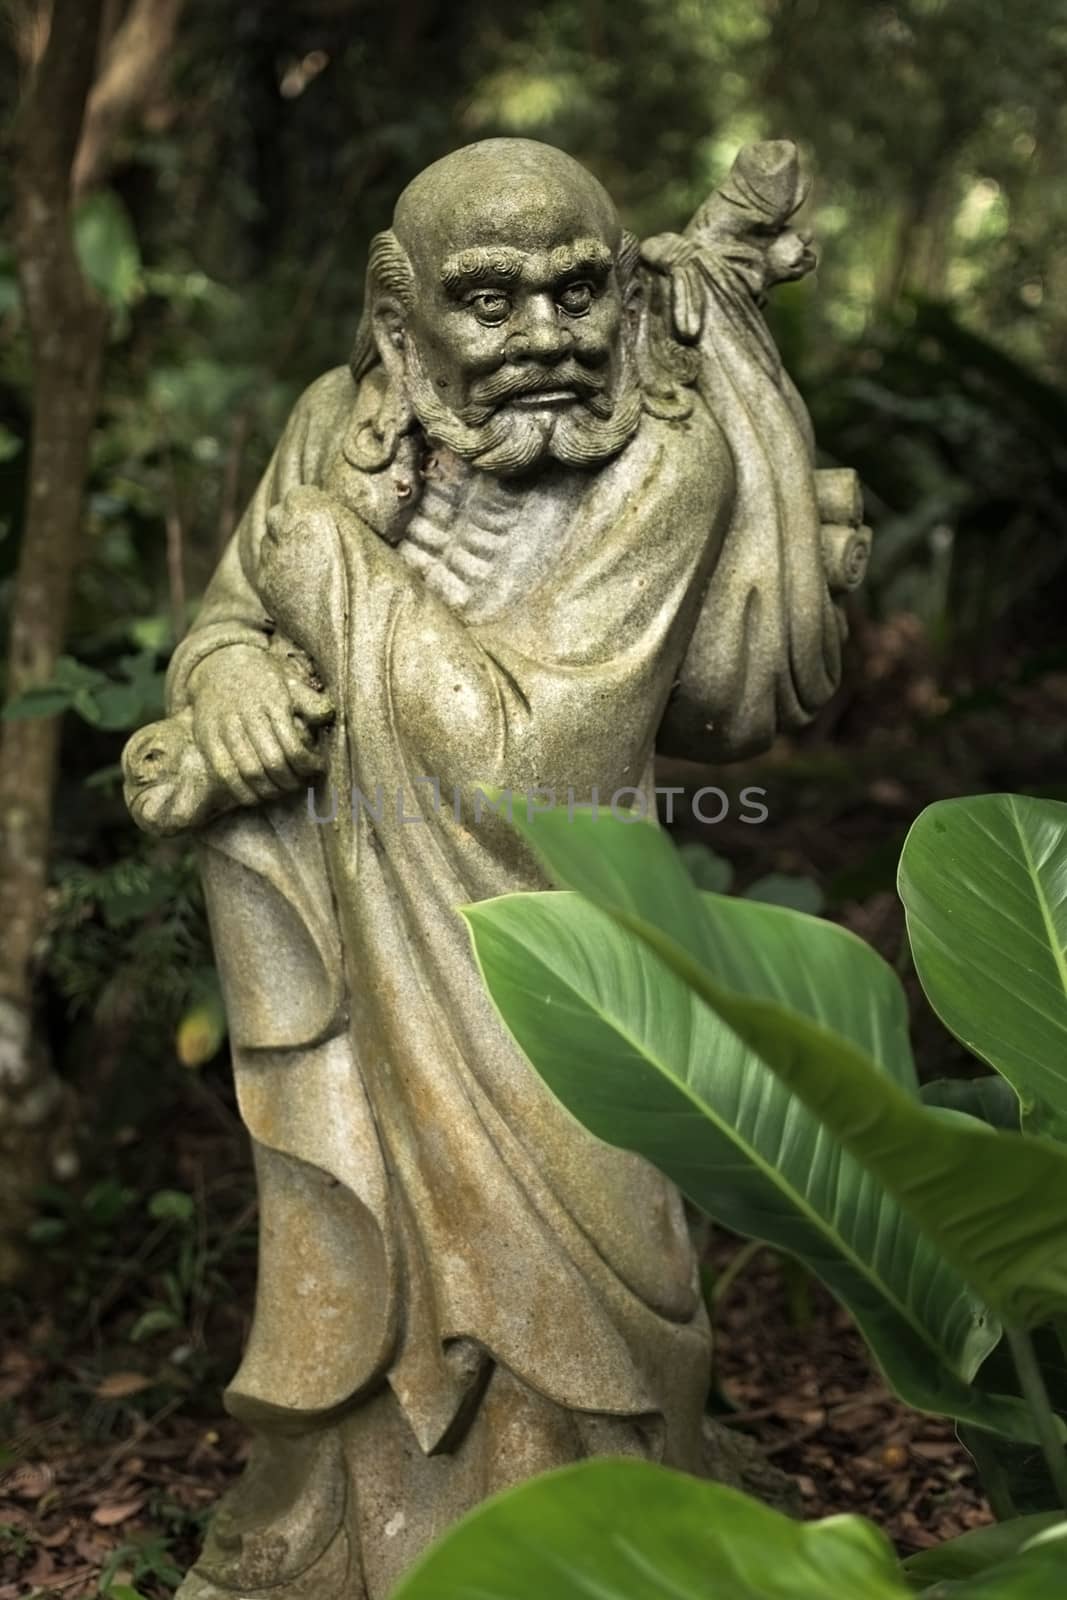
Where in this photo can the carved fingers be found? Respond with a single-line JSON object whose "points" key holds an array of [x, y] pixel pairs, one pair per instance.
{"points": [[256, 756], [227, 752], [677, 259], [313, 706], [255, 726]]}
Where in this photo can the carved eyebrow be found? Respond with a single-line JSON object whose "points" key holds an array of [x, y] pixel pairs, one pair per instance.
{"points": [[582, 255], [479, 263]]}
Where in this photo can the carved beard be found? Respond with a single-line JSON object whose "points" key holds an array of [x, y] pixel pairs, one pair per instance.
{"points": [[592, 429]]}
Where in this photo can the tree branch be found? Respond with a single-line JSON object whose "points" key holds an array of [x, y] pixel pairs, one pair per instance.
{"points": [[44, 138], [132, 65]]}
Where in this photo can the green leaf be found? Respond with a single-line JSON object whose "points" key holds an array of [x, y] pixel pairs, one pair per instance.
{"points": [[201, 1031], [779, 889], [10, 444], [172, 1205], [626, 1530], [47, 701], [1016, 1476], [629, 1050], [989, 1099], [152, 634], [105, 1201], [117, 705], [98, 699], [158, 1320], [107, 247], [707, 870], [47, 1230], [1038, 1572], [995, 1204], [976, 1551], [142, 669], [10, 294], [984, 885], [73, 674], [84, 702], [109, 777]]}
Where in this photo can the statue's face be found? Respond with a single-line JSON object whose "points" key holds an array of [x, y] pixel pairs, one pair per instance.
{"points": [[516, 347], [548, 320]]}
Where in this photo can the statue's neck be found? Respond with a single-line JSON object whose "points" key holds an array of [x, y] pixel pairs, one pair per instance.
{"points": [[479, 539]]}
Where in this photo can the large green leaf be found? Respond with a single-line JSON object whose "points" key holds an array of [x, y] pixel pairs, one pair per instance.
{"points": [[989, 1099], [984, 885], [978, 1550], [1038, 1572], [994, 1203], [625, 1530], [644, 1064], [1015, 1475]]}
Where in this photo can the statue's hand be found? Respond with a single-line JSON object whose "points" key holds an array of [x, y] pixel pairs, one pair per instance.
{"points": [[255, 724]]}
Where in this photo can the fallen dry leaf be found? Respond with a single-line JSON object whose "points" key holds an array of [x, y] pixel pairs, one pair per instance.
{"points": [[52, 1541], [17, 1372], [41, 1573], [117, 1385], [113, 1512], [29, 1481], [935, 1449], [91, 1547]]}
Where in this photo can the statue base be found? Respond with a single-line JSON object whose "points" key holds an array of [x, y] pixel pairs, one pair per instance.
{"points": [[344, 1512]]}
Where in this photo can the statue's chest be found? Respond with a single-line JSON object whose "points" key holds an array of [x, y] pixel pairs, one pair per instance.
{"points": [[481, 542]]}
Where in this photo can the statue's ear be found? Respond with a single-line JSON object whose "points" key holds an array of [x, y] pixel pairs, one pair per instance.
{"points": [[632, 301], [390, 336]]}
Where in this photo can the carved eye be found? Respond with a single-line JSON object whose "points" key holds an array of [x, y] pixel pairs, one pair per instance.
{"points": [[576, 298], [490, 307]]}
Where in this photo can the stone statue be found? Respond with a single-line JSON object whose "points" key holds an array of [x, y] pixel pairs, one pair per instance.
{"points": [[559, 509]]}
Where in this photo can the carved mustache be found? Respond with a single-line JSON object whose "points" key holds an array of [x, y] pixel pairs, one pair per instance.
{"points": [[489, 393]]}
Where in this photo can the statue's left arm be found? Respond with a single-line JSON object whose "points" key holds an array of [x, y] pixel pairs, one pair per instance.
{"points": [[765, 653]]}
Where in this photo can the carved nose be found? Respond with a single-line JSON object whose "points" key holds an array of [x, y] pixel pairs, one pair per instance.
{"points": [[540, 337]]}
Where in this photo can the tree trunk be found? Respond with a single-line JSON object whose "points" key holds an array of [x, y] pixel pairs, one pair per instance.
{"points": [[59, 130], [68, 329]]}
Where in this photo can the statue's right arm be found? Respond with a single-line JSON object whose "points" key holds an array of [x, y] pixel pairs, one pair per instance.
{"points": [[231, 613], [241, 699]]}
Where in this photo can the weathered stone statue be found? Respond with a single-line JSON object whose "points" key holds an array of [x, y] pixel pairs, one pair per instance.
{"points": [[560, 509]]}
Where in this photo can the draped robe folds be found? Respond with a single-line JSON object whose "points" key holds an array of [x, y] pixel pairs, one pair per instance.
{"points": [[455, 1277]]}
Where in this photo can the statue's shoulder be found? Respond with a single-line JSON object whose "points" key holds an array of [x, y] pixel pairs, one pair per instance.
{"points": [[327, 424], [322, 412], [688, 454], [329, 395], [335, 427]]}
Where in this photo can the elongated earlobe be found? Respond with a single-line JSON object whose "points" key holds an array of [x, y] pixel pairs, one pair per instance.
{"points": [[390, 338], [376, 443]]}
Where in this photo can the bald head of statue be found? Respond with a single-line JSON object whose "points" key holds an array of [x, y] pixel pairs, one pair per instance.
{"points": [[497, 304]]}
